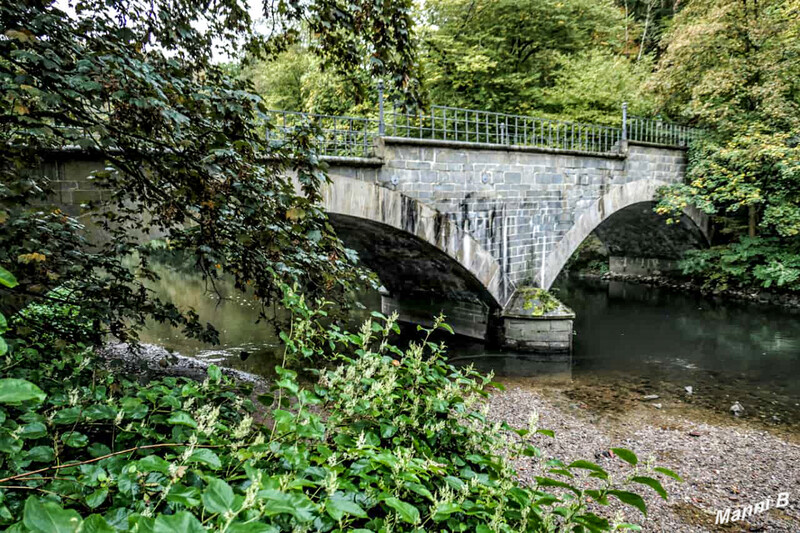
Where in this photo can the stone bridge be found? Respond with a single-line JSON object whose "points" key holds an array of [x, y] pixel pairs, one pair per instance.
{"points": [[468, 227], [461, 227]]}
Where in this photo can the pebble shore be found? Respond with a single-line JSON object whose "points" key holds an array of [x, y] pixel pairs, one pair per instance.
{"points": [[723, 465]]}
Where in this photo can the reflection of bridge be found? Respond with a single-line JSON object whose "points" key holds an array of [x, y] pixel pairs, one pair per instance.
{"points": [[457, 210]]}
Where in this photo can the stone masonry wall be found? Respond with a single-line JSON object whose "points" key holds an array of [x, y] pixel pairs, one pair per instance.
{"points": [[518, 203]]}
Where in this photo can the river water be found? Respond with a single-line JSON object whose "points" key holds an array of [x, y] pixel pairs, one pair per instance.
{"points": [[631, 342]]}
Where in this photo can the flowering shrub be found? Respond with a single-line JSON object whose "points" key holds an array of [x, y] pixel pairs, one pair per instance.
{"points": [[386, 440]]}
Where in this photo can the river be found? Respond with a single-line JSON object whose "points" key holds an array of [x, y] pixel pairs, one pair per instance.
{"points": [[632, 342]]}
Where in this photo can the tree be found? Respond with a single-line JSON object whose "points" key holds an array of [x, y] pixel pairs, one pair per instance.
{"points": [[592, 86], [733, 67], [500, 55], [133, 83], [295, 80]]}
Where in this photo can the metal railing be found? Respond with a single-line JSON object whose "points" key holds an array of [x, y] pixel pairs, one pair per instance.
{"points": [[335, 135], [355, 136], [660, 132], [486, 127]]}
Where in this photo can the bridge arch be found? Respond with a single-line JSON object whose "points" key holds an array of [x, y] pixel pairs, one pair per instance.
{"points": [[617, 201], [387, 227]]}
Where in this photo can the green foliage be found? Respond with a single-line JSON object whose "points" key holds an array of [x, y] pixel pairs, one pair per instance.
{"points": [[538, 301], [512, 56], [591, 256], [749, 262], [183, 151], [295, 80], [591, 87], [735, 68], [387, 439]]}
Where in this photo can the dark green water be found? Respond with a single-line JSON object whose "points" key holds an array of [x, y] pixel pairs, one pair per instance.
{"points": [[642, 339], [660, 341]]}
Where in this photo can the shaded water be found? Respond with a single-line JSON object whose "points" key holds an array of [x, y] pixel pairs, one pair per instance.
{"points": [[641, 339], [659, 341]]}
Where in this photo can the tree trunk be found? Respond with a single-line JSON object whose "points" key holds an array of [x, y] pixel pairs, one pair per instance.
{"points": [[752, 215]]}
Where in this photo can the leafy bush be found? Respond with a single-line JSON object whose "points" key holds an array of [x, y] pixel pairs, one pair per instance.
{"points": [[750, 262], [388, 440]]}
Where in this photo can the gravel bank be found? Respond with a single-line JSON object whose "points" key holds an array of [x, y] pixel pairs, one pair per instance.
{"points": [[725, 465]]}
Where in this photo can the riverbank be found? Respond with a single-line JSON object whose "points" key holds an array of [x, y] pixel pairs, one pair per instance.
{"points": [[785, 300], [724, 465]]}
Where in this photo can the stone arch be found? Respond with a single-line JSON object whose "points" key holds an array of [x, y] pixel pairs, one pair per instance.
{"points": [[348, 200], [615, 200]]}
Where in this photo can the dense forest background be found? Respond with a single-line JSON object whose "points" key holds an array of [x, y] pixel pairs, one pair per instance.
{"points": [[731, 67]]}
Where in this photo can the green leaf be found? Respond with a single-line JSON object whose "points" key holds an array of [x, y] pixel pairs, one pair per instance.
{"points": [[188, 496], [631, 499], [40, 454], [206, 457], [49, 517], [419, 489], [3, 346], [214, 374], [626, 455], [183, 522], [34, 430], [100, 412], [14, 391], [69, 415], [153, 463], [455, 483], [218, 496], [252, 527], [444, 511], [7, 278], [181, 418], [668, 472], [96, 498], [96, 524], [406, 511], [587, 465], [550, 482], [338, 507], [75, 439], [652, 483], [293, 503]]}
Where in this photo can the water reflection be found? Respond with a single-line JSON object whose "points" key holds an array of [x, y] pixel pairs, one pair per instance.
{"points": [[645, 339], [245, 344], [663, 341], [623, 326]]}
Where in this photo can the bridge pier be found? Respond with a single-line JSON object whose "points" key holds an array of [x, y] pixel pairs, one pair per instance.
{"points": [[524, 326], [534, 321]]}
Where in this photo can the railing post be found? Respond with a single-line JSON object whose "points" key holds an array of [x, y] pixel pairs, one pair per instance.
{"points": [[381, 123], [624, 121]]}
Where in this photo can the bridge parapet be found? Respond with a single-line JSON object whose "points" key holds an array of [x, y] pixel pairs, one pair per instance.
{"points": [[357, 136]]}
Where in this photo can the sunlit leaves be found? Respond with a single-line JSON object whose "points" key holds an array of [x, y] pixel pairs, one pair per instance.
{"points": [[13, 391]]}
